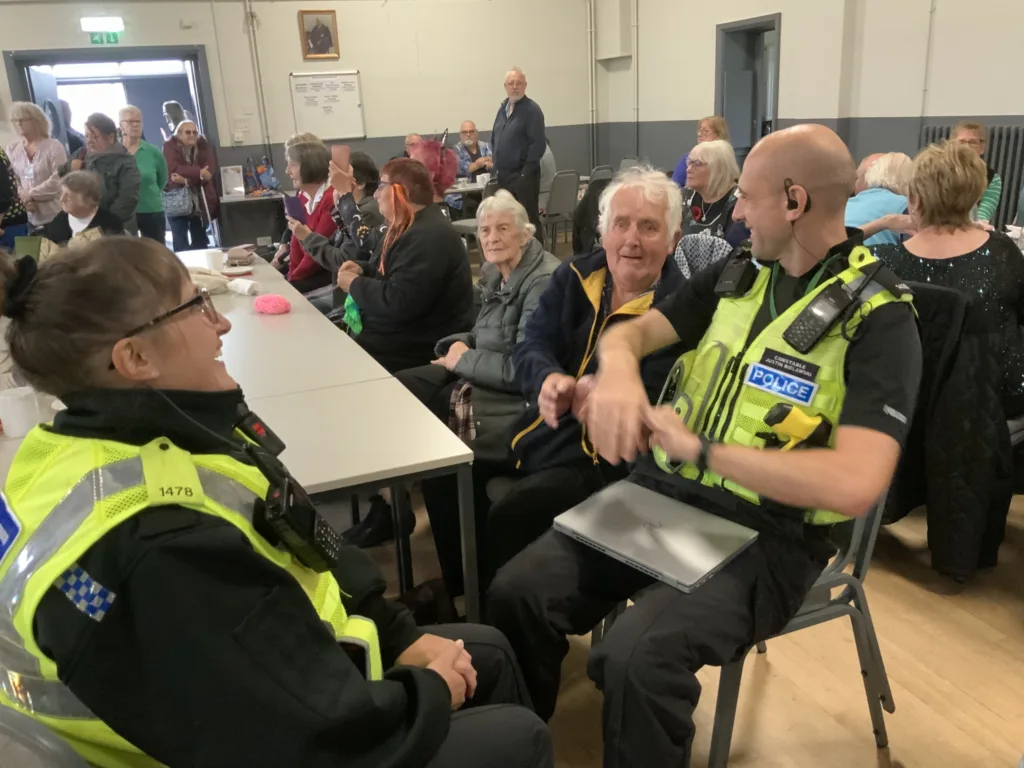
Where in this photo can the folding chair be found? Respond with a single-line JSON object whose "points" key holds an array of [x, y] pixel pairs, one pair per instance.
{"points": [[601, 172], [561, 205], [467, 227], [629, 161], [26, 743], [820, 607]]}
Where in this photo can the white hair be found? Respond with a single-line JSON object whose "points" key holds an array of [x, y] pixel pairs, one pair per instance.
{"points": [[515, 71], [891, 171], [503, 202], [723, 170], [128, 110], [655, 187]]}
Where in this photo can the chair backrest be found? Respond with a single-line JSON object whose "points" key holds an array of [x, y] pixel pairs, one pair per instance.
{"points": [[695, 252], [942, 313], [26, 743], [628, 162], [490, 187], [601, 172], [564, 193]]}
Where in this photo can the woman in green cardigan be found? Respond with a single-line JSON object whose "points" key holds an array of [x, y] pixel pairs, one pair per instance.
{"points": [[153, 168]]}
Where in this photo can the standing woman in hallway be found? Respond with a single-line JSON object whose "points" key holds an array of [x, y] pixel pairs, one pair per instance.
{"points": [[149, 216], [191, 166], [35, 159], [119, 171]]}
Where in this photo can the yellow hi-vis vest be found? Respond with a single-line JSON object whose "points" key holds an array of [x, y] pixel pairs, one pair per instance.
{"points": [[62, 495], [725, 387]]}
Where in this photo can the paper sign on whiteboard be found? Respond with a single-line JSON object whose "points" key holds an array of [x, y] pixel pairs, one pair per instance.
{"points": [[328, 104]]}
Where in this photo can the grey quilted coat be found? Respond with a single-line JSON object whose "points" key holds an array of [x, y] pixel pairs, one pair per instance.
{"points": [[504, 312]]}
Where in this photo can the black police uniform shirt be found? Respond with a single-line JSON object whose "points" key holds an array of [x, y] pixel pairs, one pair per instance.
{"points": [[200, 619], [883, 369]]}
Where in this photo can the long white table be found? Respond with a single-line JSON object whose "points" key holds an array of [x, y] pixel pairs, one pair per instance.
{"points": [[279, 354]]}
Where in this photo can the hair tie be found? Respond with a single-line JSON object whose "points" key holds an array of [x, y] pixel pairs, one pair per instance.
{"points": [[16, 294]]}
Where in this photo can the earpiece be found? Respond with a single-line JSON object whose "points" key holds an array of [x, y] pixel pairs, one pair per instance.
{"points": [[792, 203]]}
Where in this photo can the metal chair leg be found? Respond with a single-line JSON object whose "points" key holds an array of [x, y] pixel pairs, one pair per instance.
{"points": [[403, 547], [871, 687], [762, 647], [354, 500], [860, 601], [725, 714]]}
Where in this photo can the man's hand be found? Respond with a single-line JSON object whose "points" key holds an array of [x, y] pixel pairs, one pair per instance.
{"points": [[205, 174], [488, 162], [77, 165], [615, 414], [177, 178], [298, 229], [580, 397], [556, 394], [426, 651], [343, 180], [455, 353], [669, 433]]}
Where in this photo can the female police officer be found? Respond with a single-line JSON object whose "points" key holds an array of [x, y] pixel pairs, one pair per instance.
{"points": [[166, 594]]}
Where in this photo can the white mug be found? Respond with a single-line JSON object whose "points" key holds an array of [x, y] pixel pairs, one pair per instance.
{"points": [[19, 411]]}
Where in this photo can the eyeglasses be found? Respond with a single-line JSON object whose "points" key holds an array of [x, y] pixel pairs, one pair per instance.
{"points": [[188, 133], [201, 299], [468, 133], [704, 132], [695, 163]]}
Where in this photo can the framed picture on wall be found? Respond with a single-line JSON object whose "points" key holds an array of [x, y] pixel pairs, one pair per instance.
{"points": [[318, 31]]}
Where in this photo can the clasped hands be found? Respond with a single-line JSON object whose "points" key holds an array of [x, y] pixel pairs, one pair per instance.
{"points": [[449, 659], [621, 423]]}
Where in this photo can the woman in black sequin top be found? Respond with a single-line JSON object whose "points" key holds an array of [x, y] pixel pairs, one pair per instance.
{"points": [[951, 251]]}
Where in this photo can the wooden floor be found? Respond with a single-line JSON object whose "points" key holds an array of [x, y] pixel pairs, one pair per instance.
{"points": [[954, 653]]}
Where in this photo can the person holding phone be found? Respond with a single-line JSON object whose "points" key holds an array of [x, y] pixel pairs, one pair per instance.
{"points": [[162, 622], [309, 168]]}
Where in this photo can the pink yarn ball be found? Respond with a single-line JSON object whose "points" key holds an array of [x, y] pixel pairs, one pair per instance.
{"points": [[272, 304]]}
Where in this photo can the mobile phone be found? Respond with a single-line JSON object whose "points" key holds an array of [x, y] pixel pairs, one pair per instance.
{"points": [[294, 208], [341, 154]]}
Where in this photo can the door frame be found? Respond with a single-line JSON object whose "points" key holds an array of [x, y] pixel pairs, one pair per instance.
{"points": [[755, 24], [16, 62]]}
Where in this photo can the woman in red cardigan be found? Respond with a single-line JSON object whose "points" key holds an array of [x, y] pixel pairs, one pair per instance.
{"points": [[308, 168], [191, 164]]}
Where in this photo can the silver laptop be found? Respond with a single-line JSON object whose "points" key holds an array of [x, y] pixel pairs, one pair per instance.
{"points": [[668, 540]]}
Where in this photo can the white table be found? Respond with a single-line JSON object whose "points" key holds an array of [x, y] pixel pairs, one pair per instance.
{"points": [[363, 436], [280, 354], [473, 188]]}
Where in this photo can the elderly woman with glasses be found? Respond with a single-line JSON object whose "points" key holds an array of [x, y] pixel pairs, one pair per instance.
{"points": [[975, 136], [710, 128], [149, 215], [712, 173], [36, 160], [192, 166]]}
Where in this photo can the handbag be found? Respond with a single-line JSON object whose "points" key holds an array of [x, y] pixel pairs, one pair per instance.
{"points": [[178, 202]]}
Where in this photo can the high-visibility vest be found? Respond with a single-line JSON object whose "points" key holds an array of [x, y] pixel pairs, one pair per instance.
{"points": [[63, 494], [725, 387]]}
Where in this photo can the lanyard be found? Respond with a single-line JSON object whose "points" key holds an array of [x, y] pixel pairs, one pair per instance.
{"points": [[810, 286]]}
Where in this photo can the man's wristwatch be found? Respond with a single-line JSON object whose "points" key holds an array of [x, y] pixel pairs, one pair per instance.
{"points": [[704, 456]]}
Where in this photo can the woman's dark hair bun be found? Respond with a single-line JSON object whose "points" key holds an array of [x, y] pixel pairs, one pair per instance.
{"points": [[17, 283]]}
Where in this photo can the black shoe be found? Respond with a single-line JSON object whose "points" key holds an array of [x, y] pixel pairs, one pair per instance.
{"points": [[377, 527]]}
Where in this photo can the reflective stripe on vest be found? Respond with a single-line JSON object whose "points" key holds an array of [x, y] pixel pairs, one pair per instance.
{"points": [[709, 386]]}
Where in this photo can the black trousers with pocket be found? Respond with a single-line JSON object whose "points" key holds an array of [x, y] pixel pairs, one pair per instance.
{"points": [[152, 225], [496, 728], [525, 187], [646, 664]]}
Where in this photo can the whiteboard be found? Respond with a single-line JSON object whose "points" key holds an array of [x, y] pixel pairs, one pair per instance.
{"points": [[328, 105]]}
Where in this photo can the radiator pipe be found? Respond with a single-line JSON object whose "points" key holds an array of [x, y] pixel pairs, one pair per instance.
{"points": [[927, 63], [636, 78], [251, 20], [592, 81]]}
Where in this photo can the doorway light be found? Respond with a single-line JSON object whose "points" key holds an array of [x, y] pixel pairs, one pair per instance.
{"points": [[102, 24]]}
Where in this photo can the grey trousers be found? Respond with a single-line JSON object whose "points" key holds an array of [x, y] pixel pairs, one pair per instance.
{"points": [[496, 729]]}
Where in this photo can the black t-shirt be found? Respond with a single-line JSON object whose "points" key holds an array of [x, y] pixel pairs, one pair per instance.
{"points": [[883, 363]]}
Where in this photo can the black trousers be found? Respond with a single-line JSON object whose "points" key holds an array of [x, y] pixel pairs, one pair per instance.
{"points": [[432, 385], [496, 728], [188, 233], [152, 225], [506, 527], [525, 187], [647, 662]]}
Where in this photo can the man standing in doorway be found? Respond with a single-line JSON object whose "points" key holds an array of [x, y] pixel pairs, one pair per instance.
{"points": [[518, 142]]}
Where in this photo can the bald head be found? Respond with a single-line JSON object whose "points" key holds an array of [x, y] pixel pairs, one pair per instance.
{"points": [[862, 171], [810, 156]]}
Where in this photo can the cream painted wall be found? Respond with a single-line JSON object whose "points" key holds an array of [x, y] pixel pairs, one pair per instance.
{"points": [[425, 64]]}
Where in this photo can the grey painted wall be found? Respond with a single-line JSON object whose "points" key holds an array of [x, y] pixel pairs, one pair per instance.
{"points": [[662, 143]]}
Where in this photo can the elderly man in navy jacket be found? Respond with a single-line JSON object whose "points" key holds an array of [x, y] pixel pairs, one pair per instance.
{"points": [[518, 144]]}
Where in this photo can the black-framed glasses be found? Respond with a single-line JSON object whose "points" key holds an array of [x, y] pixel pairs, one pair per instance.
{"points": [[202, 300]]}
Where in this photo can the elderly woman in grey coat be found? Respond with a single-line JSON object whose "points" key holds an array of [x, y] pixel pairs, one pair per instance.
{"points": [[471, 385]]}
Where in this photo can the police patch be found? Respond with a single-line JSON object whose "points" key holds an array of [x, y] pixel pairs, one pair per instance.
{"points": [[10, 528], [791, 388]]}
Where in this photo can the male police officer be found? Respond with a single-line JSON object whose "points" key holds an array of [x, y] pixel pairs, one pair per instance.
{"points": [[810, 345]]}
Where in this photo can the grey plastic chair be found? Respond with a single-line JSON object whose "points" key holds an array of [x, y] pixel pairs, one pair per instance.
{"points": [[820, 607], [629, 162], [601, 172], [561, 205], [25, 743], [467, 227]]}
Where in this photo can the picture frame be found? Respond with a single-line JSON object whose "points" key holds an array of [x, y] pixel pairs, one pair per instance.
{"points": [[232, 179], [318, 35]]}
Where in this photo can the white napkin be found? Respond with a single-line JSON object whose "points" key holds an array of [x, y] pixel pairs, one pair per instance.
{"points": [[244, 287]]}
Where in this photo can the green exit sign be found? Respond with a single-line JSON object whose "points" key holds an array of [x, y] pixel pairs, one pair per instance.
{"points": [[104, 38]]}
